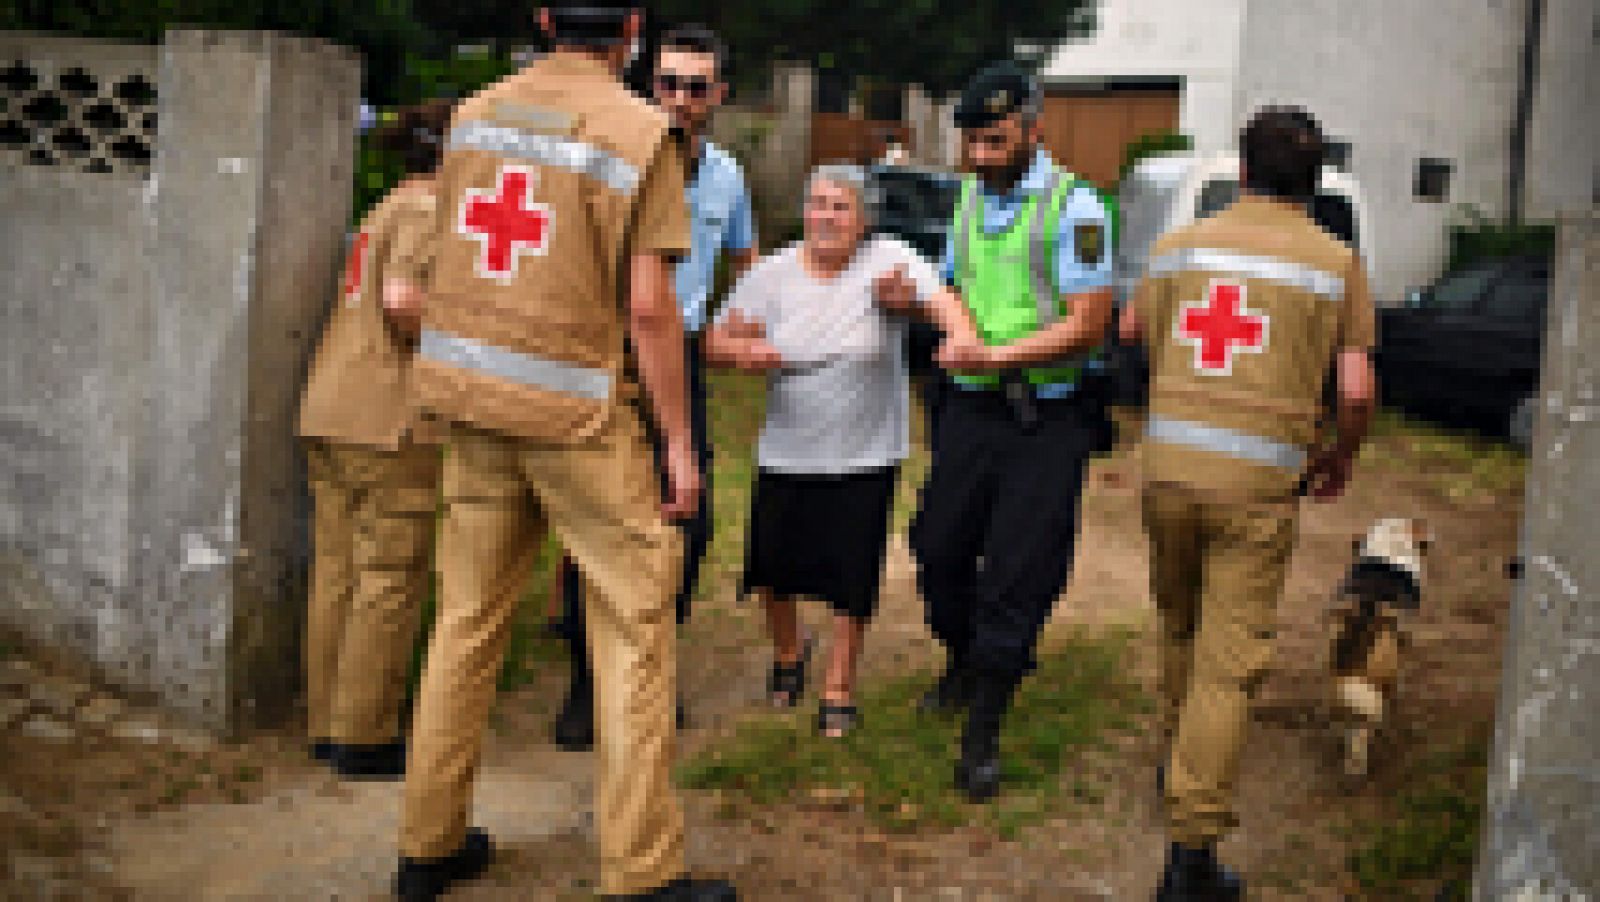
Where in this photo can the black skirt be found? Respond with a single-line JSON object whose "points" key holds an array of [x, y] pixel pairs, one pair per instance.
{"points": [[821, 536]]}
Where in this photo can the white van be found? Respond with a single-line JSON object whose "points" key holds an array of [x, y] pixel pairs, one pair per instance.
{"points": [[1167, 191]]}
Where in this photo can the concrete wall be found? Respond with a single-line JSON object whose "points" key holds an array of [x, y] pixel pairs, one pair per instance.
{"points": [[1400, 80], [1564, 135], [1197, 41], [1543, 811], [154, 333]]}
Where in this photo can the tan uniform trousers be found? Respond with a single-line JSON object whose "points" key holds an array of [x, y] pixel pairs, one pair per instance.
{"points": [[601, 498], [1217, 569], [373, 527]]}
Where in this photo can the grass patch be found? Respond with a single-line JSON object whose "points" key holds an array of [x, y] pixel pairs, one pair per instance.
{"points": [[896, 767], [1433, 833], [1459, 465]]}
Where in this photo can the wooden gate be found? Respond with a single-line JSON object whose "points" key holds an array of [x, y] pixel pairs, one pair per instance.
{"points": [[1088, 129], [839, 137]]}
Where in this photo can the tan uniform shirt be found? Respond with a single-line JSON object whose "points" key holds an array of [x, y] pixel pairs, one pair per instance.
{"points": [[1244, 314], [359, 388], [551, 180]]}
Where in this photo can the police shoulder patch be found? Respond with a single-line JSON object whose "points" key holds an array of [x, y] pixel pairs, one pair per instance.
{"points": [[1090, 239]]}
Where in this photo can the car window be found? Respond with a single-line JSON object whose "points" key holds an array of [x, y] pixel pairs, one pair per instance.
{"points": [[1216, 195], [1337, 217], [1457, 293], [1517, 299]]}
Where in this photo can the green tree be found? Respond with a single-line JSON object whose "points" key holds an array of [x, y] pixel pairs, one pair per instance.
{"points": [[936, 43], [384, 31]]}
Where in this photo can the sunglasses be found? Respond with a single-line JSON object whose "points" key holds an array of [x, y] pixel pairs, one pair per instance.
{"points": [[697, 87], [991, 140]]}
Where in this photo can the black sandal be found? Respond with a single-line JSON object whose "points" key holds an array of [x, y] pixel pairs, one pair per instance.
{"points": [[835, 721], [787, 682]]}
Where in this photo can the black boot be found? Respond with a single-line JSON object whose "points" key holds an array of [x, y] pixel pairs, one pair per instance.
{"points": [[978, 771], [1194, 874], [951, 693], [574, 728], [384, 761], [686, 889], [321, 750], [426, 879]]}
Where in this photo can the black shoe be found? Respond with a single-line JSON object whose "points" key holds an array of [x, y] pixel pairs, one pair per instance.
{"points": [[321, 750], [1194, 874], [385, 761], [574, 728], [686, 889], [952, 693], [425, 879], [978, 771]]}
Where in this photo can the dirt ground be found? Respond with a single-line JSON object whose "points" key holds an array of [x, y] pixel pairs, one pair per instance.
{"points": [[100, 799]]}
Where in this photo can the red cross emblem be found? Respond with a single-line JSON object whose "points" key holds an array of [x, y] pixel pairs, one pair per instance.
{"points": [[355, 268], [504, 223], [1219, 327]]}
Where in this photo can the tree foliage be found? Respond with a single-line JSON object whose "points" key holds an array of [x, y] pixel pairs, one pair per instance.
{"points": [[384, 31], [938, 44]]}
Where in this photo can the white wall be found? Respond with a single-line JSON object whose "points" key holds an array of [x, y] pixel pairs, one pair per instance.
{"points": [[1564, 135], [1197, 41], [1400, 80]]}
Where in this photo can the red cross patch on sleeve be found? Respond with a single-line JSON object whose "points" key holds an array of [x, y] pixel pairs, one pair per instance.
{"points": [[355, 267]]}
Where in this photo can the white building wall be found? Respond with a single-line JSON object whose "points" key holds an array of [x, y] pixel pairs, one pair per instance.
{"points": [[1563, 174], [1400, 80], [1197, 41]]}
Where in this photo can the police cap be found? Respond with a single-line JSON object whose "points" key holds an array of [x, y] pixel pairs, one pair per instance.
{"points": [[590, 23], [994, 94]]}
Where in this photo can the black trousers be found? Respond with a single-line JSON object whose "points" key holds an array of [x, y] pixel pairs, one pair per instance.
{"points": [[995, 534], [696, 530]]}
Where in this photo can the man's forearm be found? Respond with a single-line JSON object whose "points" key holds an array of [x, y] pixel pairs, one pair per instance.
{"points": [[948, 311], [1084, 330], [656, 327]]}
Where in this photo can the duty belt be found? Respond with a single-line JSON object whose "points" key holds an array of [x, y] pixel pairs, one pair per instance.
{"points": [[1227, 442]]}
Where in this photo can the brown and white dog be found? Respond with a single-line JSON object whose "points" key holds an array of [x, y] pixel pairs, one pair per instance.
{"points": [[1367, 629]]}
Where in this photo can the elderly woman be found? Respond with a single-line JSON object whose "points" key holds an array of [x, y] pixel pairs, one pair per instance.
{"points": [[824, 319]]}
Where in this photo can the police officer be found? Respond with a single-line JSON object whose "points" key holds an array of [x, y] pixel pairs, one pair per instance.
{"points": [[1243, 314], [561, 211], [1029, 267], [688, 84], [374, 481]]}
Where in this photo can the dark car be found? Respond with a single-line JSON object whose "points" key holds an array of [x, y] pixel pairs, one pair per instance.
{"points": [[916, 205], [1465, 351]]}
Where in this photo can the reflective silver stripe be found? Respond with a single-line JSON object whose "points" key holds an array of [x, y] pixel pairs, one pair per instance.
{"points": [[546, 150], [1250, 266], [1225, 441], [538, 372], [1040, 266], [964, 227]]}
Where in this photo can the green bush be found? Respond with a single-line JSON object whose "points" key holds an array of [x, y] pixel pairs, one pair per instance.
{"points": [[1150, 144], [457, 75], [1477, 237]]}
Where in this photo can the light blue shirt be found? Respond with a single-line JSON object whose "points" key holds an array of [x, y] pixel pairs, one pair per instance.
{"points": [[721, 219], [1072, 276]]}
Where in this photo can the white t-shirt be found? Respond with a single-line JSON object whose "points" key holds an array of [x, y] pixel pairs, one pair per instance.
{"points": [[841, 403]]}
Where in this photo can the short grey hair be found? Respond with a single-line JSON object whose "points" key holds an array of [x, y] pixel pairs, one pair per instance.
{"points": [[845, 175]]}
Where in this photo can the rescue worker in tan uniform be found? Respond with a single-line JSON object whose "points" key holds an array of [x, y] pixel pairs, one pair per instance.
{"points": [[561, 211], [1243, 315], [374, 481]]}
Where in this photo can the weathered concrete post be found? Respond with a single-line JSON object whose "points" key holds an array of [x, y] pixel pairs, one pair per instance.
{"points": [[1542, 822], [155, 323]]}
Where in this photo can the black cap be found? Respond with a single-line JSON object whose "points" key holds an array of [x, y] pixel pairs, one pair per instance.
{"points": [[590, 23], [995, 93]]}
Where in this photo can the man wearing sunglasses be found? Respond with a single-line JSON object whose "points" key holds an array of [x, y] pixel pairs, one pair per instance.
{"points": [[688, 85], [1028, 265]]}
